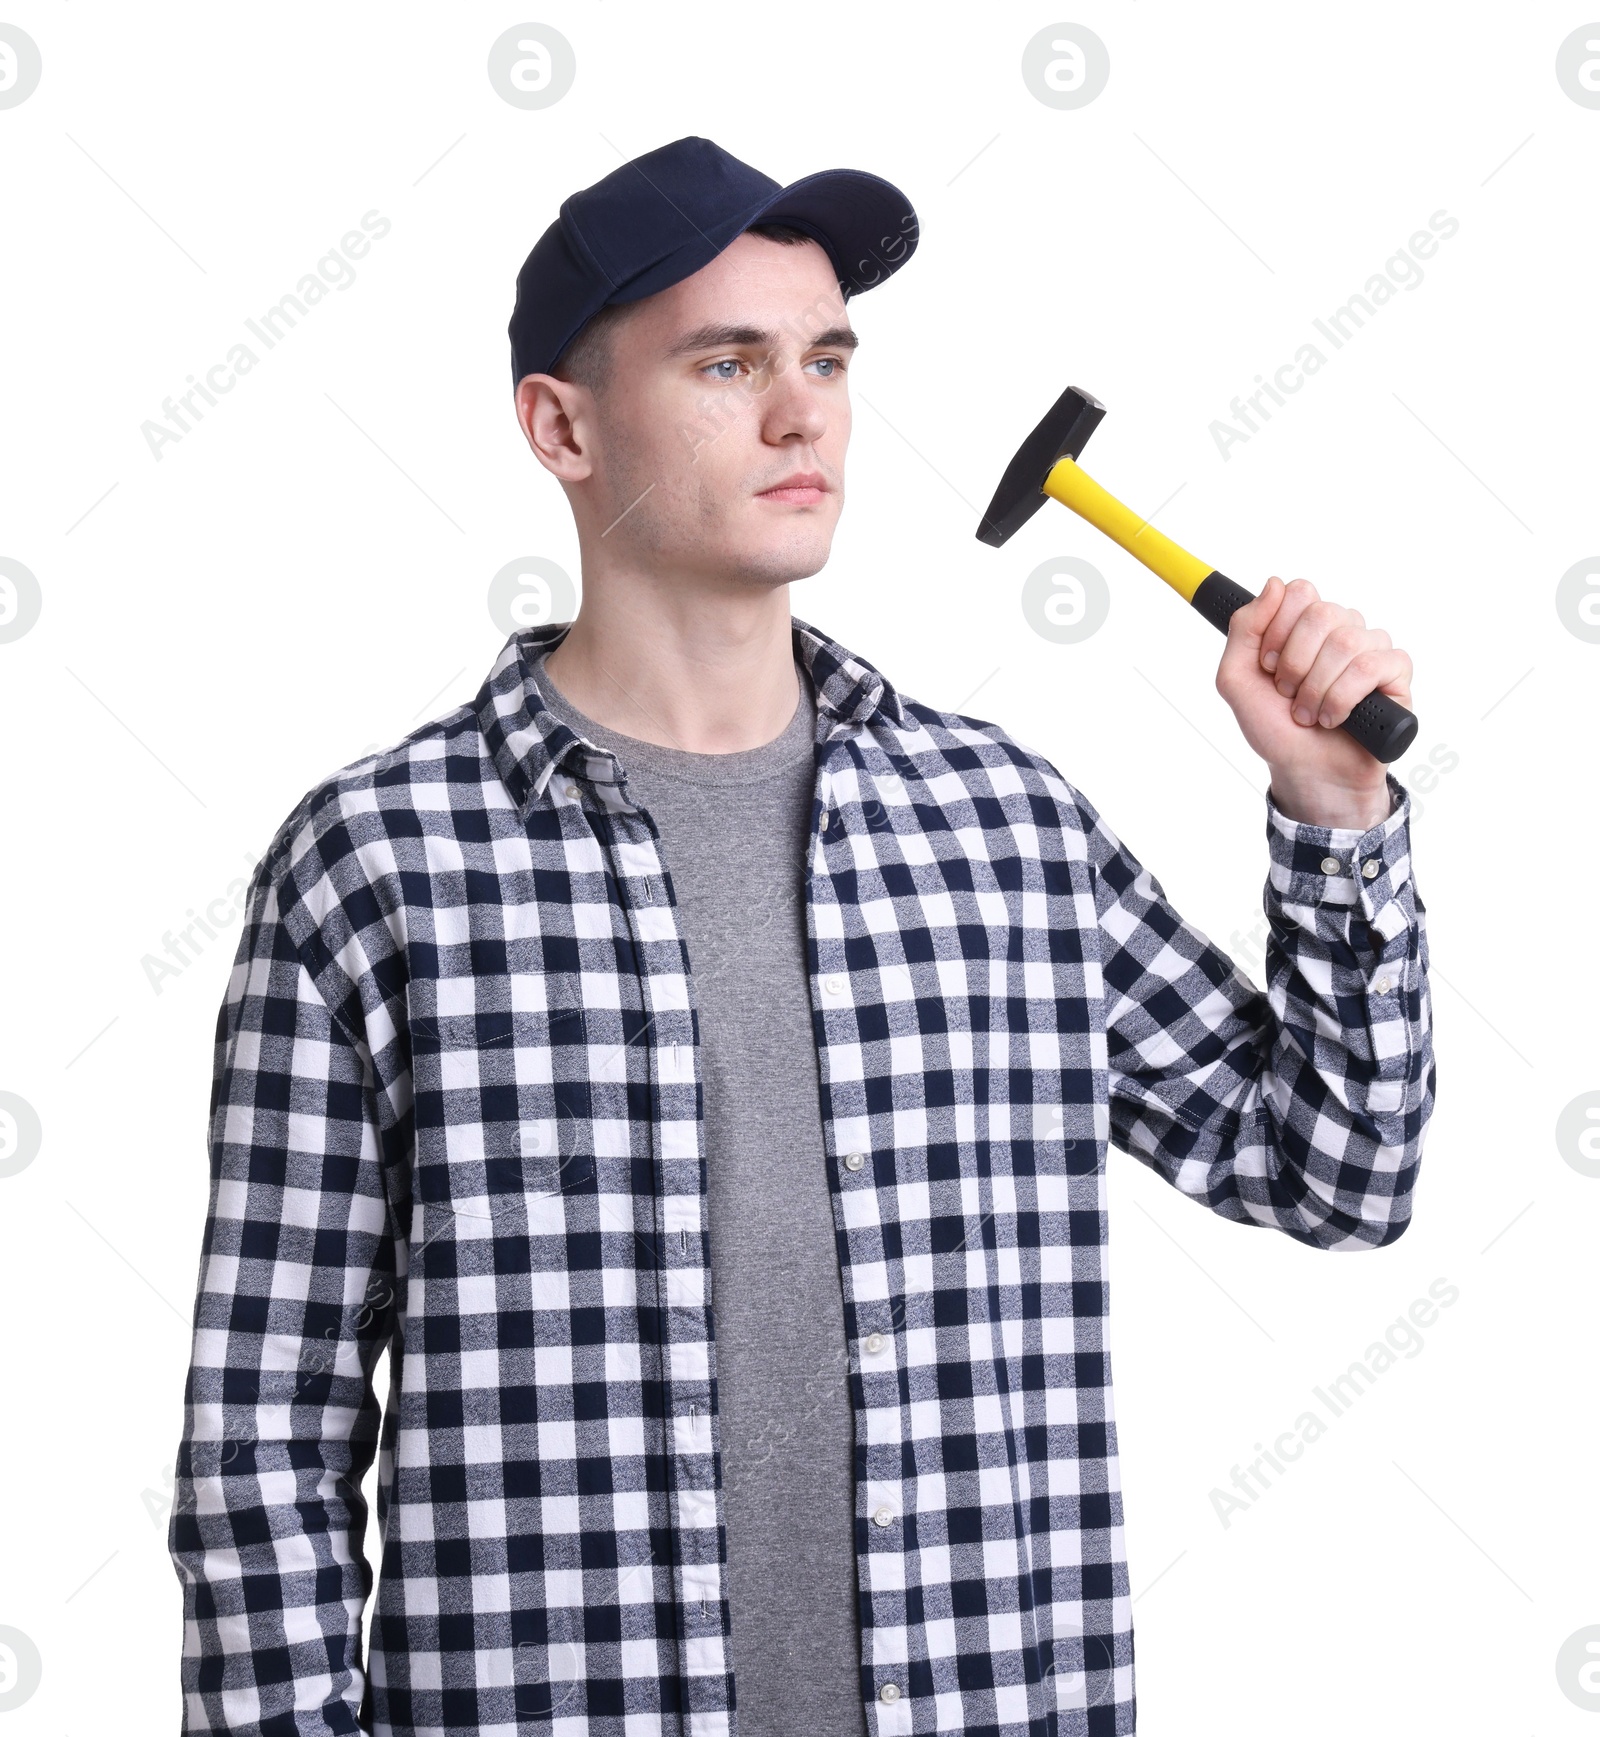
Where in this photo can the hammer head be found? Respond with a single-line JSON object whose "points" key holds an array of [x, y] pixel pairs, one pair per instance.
{"points": [[1063, 433]]}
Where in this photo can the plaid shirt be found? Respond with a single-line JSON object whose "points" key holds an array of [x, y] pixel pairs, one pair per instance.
{"points": [[457, 1117]]}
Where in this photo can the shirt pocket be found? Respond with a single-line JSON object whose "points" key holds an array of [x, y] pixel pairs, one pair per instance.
{"points": [[502, 1110]]}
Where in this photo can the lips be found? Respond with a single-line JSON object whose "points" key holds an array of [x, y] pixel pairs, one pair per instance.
{"points": [[804, 488]]}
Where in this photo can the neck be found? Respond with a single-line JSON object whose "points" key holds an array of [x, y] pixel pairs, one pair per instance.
{"points": [[709, 672]]}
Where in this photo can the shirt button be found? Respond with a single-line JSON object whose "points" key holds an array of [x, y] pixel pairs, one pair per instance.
{"points": [[873, 1342], [1382, 986], [1371, 869], [1331, 865], [854, 1160], [889, 1692], [884, 1517], [833, 986]]}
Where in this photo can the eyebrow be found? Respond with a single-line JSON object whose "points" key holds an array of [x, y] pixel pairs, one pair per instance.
{"points": [[725, 337]]}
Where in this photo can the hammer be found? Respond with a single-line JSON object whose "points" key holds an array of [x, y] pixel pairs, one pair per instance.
{"points": [[1046, 464]]}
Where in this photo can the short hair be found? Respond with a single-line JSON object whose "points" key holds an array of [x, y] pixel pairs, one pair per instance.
{"points": [[586, 360]]}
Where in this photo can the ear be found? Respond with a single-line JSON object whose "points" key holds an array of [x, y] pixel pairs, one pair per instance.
{"points": [[556, 418]]}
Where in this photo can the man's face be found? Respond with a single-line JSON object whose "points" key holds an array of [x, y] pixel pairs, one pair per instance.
{"points": [[721, 390]]}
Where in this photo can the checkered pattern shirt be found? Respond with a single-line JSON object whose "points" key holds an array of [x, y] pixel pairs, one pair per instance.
{"points": [[457, 1118]]}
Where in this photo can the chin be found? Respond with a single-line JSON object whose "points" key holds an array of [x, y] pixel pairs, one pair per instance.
{"points": [[777, 564]]}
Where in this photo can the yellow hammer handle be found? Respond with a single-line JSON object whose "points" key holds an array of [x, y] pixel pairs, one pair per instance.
{"points": [[1075, 489]]}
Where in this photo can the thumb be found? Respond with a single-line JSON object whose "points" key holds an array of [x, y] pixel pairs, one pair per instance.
{"points": [[1249, 623]]}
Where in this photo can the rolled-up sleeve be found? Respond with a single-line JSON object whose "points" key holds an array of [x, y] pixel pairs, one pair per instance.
{"points": [[1301, 1106], [297, 1298]]}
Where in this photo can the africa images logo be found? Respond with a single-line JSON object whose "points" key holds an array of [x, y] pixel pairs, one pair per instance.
{"points": [[334, 271], [1402, 270]]}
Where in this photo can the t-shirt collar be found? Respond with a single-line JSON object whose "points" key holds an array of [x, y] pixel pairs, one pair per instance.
{"points": [[529, 743]]}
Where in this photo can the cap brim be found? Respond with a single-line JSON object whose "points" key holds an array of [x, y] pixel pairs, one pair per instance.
{"points": [[866, 224]]}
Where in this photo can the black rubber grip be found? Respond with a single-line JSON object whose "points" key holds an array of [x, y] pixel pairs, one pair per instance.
{"points": [[1380, 724], [1216, 597]]}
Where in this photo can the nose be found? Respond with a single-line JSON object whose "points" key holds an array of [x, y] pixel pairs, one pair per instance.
{"points": [[792, 406]]}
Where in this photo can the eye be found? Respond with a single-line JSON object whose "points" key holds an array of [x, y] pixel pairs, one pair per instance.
{"points": [[726, 362], [833, 364]]}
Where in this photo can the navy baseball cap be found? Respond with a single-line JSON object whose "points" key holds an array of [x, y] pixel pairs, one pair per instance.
{"points": [[661, 217]]}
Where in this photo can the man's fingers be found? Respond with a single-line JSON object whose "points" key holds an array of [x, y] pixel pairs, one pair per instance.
{"points": [[1321, 628], [1385, 666], [1298, 596], [1318, 625], [1322, 657], [1345, 648], [1248, 622]]}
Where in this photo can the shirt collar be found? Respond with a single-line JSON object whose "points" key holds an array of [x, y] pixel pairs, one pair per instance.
{"points": [[529, 742]]}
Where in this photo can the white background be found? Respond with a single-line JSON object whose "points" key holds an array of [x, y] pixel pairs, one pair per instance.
{"points": [[303, 577]]}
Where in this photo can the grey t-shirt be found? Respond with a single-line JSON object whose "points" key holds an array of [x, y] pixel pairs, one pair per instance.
{"points": [[734, 830]]}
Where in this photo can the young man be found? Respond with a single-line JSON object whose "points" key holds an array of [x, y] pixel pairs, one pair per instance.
{"points": [[693, 1061]]}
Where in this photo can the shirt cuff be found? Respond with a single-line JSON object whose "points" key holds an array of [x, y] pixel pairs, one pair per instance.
{"points": [[1339, 865]]}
